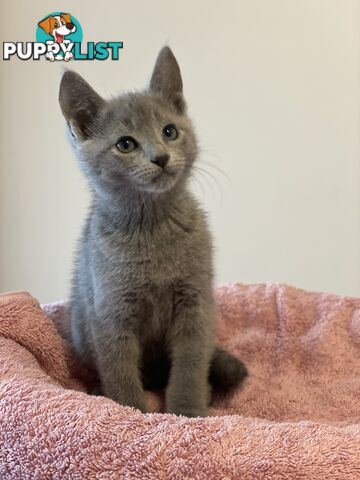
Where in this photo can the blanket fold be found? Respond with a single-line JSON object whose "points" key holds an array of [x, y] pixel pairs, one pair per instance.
{"points": [[296, 416]]}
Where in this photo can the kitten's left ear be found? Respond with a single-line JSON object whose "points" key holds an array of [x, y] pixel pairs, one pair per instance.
{"points": [[80, 105], [166, 79]]}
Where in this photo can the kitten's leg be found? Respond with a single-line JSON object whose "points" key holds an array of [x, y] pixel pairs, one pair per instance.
{"points": [[117, 359], [191, 352]]}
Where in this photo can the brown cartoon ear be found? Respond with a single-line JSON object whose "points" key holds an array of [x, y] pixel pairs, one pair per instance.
{"points": [[46, 24], [66, 17]]}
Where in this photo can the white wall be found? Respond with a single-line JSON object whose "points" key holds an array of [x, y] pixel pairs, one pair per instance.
{"points": [[273, 88]]}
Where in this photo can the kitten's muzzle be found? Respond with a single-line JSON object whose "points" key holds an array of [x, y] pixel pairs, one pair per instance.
{"points": [[161, 160]]}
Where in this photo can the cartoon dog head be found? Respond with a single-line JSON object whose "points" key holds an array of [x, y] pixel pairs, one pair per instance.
{"points": [[58, 26]]}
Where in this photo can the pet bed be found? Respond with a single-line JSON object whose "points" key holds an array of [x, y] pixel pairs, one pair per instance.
{"points": [[296, 416]]}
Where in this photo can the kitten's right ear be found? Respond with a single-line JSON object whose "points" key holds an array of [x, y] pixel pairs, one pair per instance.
{"points": [[79, 103], [166, 79]]}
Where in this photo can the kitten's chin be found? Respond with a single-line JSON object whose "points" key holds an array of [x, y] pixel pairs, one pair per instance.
{"points": [[162, 182]]}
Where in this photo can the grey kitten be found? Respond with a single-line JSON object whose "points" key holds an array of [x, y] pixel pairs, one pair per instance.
{"points": [[142, 308]]}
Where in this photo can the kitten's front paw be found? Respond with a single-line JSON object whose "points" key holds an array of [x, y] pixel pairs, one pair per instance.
{"points": [[142, 407], [138, 405], [187, 412], [129, 400]]}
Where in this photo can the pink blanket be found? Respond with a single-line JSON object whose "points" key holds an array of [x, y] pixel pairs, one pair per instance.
{"points": [[296, 416]]}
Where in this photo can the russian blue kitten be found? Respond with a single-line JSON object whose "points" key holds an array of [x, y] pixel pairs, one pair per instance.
{"points": [[142, 307]]}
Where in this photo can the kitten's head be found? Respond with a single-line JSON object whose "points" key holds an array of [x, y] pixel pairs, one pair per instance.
{"points": [[142, 141]]}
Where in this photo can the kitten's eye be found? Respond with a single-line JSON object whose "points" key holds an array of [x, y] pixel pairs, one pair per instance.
{"points": [[170, 132], [126, 144]]}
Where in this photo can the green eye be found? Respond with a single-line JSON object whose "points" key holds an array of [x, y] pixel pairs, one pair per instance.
{"points": [[126, 144], [170, 132]]}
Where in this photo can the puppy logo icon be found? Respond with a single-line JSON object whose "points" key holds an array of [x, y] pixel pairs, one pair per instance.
{"points": [[58, 26], [54, 30]]}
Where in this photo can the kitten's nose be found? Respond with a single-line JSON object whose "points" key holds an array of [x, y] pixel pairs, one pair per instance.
{"points": [[161, 160]]}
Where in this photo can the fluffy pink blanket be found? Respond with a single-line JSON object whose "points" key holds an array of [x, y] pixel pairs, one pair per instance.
{"points": [[296, 416]]}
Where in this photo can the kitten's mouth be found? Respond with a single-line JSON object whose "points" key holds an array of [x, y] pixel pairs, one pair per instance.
{"points": [[164, 180], [164, 173]]}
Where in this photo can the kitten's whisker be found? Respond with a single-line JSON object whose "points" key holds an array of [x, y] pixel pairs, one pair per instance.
{"points": [[204, 173], [200, 172], [219, 185], [207, 151], [218, 169], [195, 179], [203, 151]]}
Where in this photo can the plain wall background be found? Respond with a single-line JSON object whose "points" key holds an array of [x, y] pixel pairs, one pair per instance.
{"points": [[274, 91]]}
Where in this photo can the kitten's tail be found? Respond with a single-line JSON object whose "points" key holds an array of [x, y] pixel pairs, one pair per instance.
{"points": [[226, 371]]}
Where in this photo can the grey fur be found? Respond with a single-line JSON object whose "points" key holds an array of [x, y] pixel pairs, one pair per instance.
{"points": [[142, 307]]}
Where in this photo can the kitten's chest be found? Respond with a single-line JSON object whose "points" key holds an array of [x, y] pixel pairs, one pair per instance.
{"points": [[157, 256]]}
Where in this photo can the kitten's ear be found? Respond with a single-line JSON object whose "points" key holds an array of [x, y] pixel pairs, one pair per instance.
{"points": [[80, 104], [166, 79]]}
